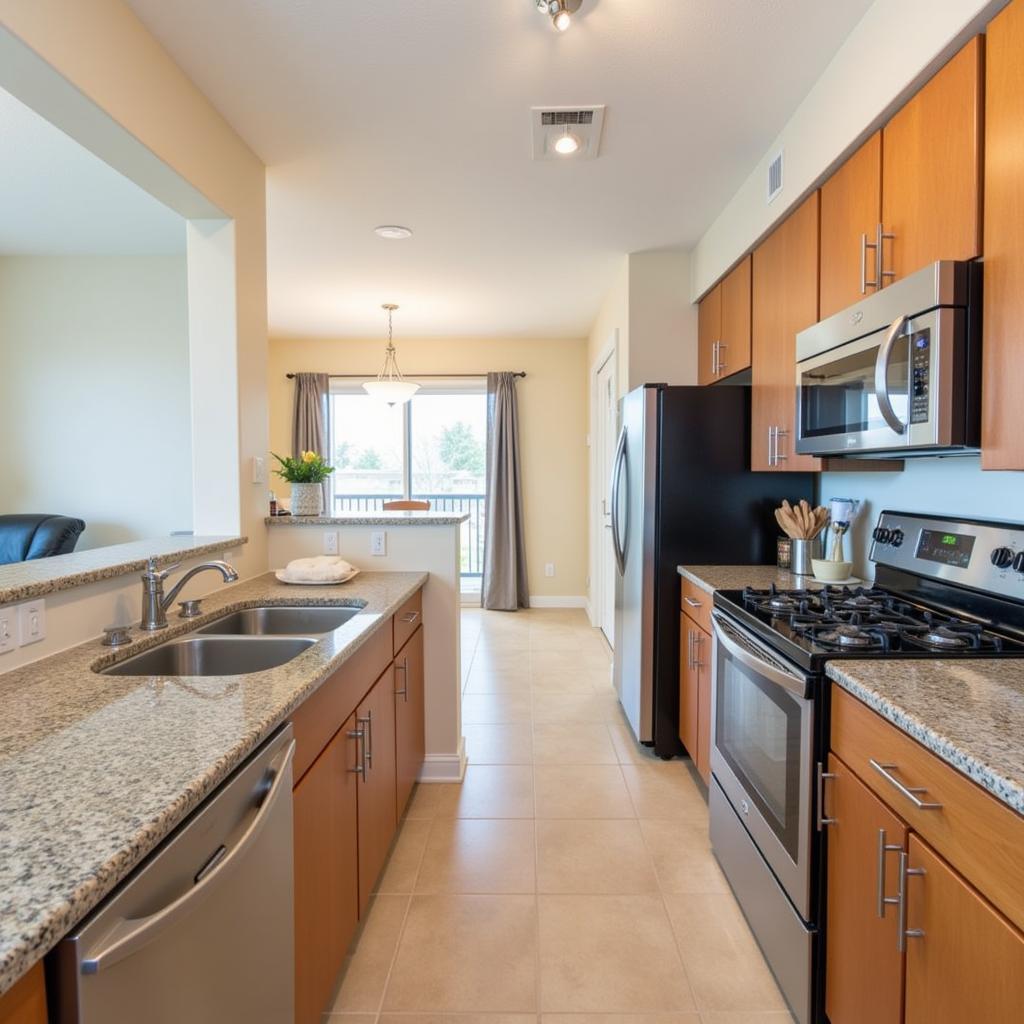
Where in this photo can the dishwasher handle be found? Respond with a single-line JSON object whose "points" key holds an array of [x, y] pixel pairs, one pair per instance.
{"points": [[129, 936]]}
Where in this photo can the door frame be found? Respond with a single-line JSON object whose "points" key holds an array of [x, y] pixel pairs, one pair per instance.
{"points": [[610, 352]]}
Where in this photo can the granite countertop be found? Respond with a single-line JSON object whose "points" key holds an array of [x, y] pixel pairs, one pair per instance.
{"points": [[96, 770], [736, 577], [21, 580], [373, 519], [968, 712]]}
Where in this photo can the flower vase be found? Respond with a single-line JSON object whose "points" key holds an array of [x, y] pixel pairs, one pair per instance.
{"points": [[307, 499]]}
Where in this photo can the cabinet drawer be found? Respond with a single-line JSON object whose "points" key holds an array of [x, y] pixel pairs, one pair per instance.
{"points": [[407, 618], [322, 714], [980, 836], [697, 604]]}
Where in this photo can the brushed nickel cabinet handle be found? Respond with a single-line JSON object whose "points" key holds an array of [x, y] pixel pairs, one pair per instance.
{"points": [[360, 768], [883, 849], [910, 792], [822, 776], [902, 931], [404, 669], [693, 603], [410, 616]]}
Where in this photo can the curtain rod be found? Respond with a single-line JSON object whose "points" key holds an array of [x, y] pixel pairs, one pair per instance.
{"points": [[412, 376]]}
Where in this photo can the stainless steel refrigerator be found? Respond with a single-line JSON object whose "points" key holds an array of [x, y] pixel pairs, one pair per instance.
{"points": [[682, 493]]}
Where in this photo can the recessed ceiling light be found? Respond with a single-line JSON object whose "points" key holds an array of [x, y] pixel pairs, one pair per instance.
{"points": [[392, 231], [563, 19], [567, 144], [560, 11]]}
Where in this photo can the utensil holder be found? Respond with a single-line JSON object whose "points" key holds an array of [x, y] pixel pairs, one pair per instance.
{"points": [[802, 553]]}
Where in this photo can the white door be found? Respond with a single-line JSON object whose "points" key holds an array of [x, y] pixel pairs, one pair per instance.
{"points": [[607, 434]]}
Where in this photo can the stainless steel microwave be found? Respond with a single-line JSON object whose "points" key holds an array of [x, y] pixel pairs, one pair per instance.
{"points": [[898, 374]]}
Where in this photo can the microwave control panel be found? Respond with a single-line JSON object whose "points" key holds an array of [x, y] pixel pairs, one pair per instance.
{"points": [[920, 375]]}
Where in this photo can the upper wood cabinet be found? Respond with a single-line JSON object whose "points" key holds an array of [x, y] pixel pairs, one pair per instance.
{"points": [[410, 707], [851, 209], [864, 969], [965, 961], [785, 301], [723, 327], [931, 170], [1002, 430]]}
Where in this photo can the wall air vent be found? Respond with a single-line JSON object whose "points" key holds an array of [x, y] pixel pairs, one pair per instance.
{"points": [[774, 177], [566, 133]]}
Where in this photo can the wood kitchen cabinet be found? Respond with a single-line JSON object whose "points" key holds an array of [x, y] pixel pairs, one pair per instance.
{"points": [[1002, 432], [375, 719], [932, 167], [410, 707], [851, 210], [965, 961], [695, 694], [864, 970], [724, 325], [785, 301], [326, 871], [25, 1002]]}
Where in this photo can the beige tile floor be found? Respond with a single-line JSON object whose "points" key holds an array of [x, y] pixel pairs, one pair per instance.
{"points": [[568, 878]]}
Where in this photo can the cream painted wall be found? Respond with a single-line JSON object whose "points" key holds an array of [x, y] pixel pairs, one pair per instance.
{"points": [[151, 117], [94, 397], [553, 427], [895, 46]]}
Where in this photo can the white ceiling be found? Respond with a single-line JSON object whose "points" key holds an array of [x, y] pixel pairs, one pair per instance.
{"points": [[58, 198], [416, 112]]}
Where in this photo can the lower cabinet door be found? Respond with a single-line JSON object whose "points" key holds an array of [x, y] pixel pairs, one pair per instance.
{"points": [[703, 656], [864, 969], [326, 871], [375, 718], [409, 718], [965, 961], [25, 1002], [689, 690]]}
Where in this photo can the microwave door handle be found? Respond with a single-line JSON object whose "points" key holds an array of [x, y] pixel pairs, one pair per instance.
{"points": [[730, 640], [882, 375]]}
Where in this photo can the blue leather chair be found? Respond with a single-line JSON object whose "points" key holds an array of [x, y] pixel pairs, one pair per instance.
{"points": [[23, 537]]}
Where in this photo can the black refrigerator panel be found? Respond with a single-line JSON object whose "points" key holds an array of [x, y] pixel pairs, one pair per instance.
{"points": [[710, 510]]}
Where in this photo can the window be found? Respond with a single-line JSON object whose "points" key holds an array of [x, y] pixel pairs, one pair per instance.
{"points": [[432, 448]]}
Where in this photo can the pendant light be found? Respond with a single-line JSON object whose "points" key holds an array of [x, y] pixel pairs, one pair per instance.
{"points": [[390, 386]]}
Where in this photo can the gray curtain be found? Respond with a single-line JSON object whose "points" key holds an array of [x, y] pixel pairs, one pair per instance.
{"points": [[309, 424], [504, 586]]}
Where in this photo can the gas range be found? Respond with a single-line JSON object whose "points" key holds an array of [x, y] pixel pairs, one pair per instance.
{"points": [[928, 599]]}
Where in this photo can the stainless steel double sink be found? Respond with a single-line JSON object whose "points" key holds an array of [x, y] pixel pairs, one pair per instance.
{"points": [[249, 640]]}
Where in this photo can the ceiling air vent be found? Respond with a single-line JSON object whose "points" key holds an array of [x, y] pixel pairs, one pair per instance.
{"points": [[550, 124], [774, 177]]}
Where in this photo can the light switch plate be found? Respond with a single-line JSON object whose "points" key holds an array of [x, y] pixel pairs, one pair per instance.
{"points": [[259, 470], [379, 542], [549, 569], [331, 542], [8, 629], [31, 622]]}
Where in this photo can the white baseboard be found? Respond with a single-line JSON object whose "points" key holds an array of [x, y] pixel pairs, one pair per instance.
{"points": [[570, 601], [445, 767], [590, 613]]}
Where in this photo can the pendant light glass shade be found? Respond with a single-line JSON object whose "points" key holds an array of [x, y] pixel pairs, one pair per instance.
{"points": [[390, 386]]}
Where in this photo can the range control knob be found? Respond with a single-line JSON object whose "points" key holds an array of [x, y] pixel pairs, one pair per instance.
{"points": [[1018, 562], [1002, 557], [896, 539], [882, 535]]}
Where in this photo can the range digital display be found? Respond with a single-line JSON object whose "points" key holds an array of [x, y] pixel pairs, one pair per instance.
{"points": [[946, 548]]}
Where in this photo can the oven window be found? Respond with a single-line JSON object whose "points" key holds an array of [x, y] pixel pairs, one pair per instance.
{"points": [[757, 731], [838, 397]]}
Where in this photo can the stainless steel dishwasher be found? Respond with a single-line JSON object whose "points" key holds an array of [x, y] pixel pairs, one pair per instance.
{"points": [[202, 932]]}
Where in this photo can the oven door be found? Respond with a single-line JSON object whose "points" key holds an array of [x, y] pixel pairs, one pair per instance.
{"points": [[762, 752], [888, 391]]}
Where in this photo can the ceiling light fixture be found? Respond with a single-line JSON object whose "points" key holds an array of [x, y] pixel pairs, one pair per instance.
{"points": [[392, 231], [560, 11], [567, 144], [390, 386]]}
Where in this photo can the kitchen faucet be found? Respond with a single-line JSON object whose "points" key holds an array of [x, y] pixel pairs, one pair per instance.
{"points": [[155, 604]]}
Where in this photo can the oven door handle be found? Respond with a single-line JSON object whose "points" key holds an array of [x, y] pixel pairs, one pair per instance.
{"points": [[743, 651], [882, 375]]}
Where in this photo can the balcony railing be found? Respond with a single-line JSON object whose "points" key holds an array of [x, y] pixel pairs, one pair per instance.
{"points": [[472, 529]]}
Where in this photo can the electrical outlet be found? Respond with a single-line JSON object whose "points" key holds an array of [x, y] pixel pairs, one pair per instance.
{"points": [[549, 569], [31, 622], [331, 542], [378, 542], [8, 629]]}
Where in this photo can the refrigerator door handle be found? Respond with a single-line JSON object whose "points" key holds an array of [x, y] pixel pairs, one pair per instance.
{"points": [[619, 535]]}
